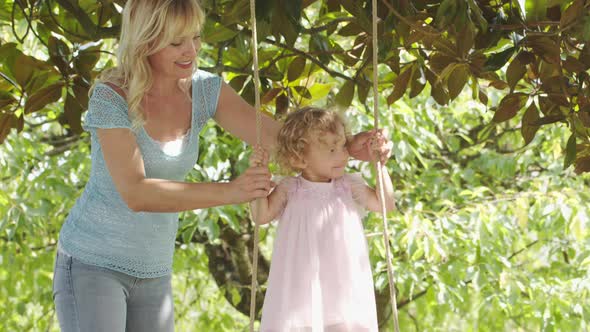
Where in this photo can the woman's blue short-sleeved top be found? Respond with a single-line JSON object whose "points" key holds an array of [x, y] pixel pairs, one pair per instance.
{"points": [[100, 229]]}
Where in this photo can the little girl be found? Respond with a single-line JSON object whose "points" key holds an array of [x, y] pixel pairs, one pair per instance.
{"points": [[320, 277]]}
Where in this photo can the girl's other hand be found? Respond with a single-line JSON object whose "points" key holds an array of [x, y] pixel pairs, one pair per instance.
{"points": [[379, 147], [357, 145]]}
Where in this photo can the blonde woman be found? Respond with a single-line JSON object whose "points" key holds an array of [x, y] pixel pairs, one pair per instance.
{"points": [[114, 261]]}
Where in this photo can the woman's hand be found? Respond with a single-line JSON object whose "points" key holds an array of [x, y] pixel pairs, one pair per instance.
{"points": [[255, 181], [259, 157], [252, 184]]}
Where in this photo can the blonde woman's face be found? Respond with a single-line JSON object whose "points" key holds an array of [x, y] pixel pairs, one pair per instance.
{"points": [[177, 59]]}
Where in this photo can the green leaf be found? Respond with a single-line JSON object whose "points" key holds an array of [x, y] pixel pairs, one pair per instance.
{"points": [[215, 32], [465, 40], [446, 12], [319, 90], [515, 71], [439, 94], [345, 95], [529, 120], [302, 91], [59, 53], [350, 29], [7, 122], [457, 80], [6, 99], [363, 91], [43, 97], [574, 65], [296, 68], [417, 85], [189, 232], [483, 97], [86, 60], [535, 10], [572, 13], [477, 12], [282, 105], [237, 83], [546, 47], [320, 44], [236, 298], [498, 60], [73, 113], [509, 106], [401, 84], [570, 151], [285, 20], [270, 95]]}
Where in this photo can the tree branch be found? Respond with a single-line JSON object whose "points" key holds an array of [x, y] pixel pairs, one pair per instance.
{"points": [[335, 21], [85, 21], [312, 59]]}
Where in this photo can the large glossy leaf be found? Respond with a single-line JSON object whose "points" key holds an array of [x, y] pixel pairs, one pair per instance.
{"points": [[7, 122], [570, 151], [215, 32], [498, 60], [72, 113], [345, 94], [575, 11], [529, 123], [6, 99], [509, 106], [59, 54], [281, 104], [515, 71], [457, 80], [400, 84], [45, 96], [296, 68]]}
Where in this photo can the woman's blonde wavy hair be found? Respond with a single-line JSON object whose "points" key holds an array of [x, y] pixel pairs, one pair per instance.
{"points": [[148, 26], [298, 130]]}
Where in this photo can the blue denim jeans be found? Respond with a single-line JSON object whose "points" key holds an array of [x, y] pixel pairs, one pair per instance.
{"points": [[90, 298]]}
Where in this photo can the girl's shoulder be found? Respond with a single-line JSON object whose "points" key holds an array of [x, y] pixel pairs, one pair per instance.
{"points": [[286, 184], [350, 180]]}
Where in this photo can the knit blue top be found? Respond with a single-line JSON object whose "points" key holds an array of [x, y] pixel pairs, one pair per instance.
{"points": [[100, 229]]}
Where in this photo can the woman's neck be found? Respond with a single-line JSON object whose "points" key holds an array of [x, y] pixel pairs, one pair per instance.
{"points": [[163, 87]]}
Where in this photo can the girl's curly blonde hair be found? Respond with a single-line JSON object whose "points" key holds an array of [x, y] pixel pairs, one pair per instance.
{"points": [[296, 133]]}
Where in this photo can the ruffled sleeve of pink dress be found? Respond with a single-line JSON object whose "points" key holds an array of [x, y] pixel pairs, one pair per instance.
{"points": [[320, 277]]}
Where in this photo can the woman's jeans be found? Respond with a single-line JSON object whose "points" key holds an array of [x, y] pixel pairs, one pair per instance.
{"points": [[90, 298]]}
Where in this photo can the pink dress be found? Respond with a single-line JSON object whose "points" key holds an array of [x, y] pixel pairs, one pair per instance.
{"points": [[320, 276]]}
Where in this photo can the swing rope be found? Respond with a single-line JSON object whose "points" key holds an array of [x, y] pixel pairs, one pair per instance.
{"points": [[380, 171], [254, 285]]}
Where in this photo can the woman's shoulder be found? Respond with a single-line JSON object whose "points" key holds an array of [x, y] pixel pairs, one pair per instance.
{"points": [[205, 77], [110, 92], [201, 74], [116, 88]]}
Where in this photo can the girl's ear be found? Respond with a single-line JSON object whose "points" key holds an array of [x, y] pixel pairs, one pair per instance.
{"points": [[297, 162]]}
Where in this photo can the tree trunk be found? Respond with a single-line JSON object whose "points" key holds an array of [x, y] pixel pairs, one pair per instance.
{"points": [[230, 264]]}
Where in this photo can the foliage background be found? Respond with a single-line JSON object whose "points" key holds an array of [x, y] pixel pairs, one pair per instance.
{"points": [[487, 109]]}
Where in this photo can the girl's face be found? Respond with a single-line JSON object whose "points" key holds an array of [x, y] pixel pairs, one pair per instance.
{"points": [[176, 60], [326, 156]]}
